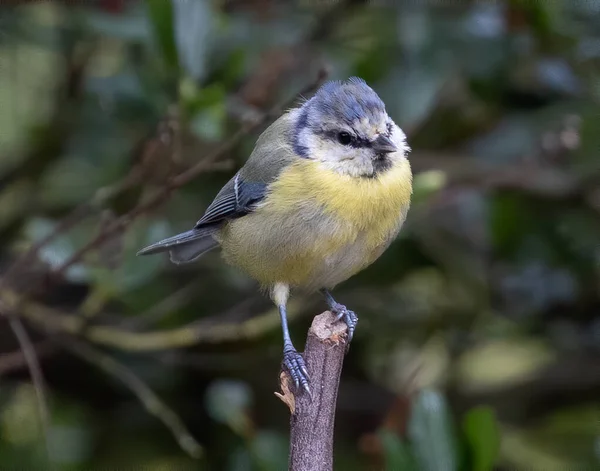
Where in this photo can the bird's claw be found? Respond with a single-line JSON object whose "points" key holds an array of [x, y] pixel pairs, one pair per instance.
{"points": [[350, 319], [296, 367]]}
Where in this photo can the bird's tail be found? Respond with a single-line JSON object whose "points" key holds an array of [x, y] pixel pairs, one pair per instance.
{"points": [[185, 247]]}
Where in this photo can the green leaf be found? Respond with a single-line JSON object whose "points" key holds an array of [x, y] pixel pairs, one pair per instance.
{"points": [[227, 402], [397, 453], [269, 451], [193, 25], [509, 215], [585, 158], [209, 124], [424, 83], [427, 184], [161, 16], [566, 439], [432, 434], [483, 437]]}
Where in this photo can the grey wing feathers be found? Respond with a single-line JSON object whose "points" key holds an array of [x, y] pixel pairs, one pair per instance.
{"points": [[237, 198], [219, 209]]}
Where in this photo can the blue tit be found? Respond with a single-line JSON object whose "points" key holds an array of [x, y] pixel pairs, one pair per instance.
{"points": [[323, 194]]}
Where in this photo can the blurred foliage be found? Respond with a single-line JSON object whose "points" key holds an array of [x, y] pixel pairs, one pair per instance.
{"points": [[478, 347]]}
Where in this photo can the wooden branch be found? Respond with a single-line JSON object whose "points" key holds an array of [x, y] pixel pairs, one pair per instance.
{"points": [[312, 420]]}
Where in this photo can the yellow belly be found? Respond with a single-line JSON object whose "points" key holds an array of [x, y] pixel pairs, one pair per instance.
{"points": [[317, 228]]}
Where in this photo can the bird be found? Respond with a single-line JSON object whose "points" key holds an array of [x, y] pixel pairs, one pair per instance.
{"points": [[323, 194]]}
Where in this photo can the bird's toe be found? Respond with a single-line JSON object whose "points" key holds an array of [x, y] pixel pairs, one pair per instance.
{"points": [[294, 363]]}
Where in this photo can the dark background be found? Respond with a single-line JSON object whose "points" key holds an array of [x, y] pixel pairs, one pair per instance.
{"points": [[478, 346]]}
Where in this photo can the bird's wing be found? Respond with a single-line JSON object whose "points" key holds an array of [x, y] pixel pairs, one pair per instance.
{"points": [[237, 198]]}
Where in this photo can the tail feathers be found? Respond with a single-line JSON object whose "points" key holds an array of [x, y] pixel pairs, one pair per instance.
{"points": [[201, 236], [190, 252]]}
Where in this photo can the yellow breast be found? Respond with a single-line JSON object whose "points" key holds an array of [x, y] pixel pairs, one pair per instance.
{"points": [[316, 227], [370, 205]]}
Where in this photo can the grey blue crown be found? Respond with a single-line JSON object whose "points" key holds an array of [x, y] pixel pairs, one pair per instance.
{"points": [[338, 102]]}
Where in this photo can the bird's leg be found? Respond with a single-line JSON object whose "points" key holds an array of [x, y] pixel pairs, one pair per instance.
{"points": [[292, 360], [342, 312]]}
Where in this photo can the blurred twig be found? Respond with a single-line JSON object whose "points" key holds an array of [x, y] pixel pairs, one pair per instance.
{"points": [[37, 378], [76, 216], [177, 300], [535, 179], [153, 404], [54, 321], [163, 308], [16, 360], [571, 380]]}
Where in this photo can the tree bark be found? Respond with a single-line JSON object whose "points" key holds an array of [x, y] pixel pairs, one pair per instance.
{"points": [[312, 417]]}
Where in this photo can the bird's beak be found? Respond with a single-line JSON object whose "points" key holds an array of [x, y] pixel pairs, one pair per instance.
{"points": [[383, 145]]}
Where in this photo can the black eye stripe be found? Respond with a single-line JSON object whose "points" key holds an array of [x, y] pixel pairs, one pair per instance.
{"points": [[357, 142]]}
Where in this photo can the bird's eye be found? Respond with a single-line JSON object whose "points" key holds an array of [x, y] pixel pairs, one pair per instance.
{"points": [[344, 138]]}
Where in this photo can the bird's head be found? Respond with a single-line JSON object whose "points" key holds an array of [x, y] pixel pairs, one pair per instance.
{"points": [[345, 126]]}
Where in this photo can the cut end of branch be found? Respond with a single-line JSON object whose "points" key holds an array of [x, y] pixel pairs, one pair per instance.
{"points": [[326, 328], [286, 395]]}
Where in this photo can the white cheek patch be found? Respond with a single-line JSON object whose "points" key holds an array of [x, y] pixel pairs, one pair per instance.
{"points": [[323, 149], [355, 162], [341, 159], [399, 138]]}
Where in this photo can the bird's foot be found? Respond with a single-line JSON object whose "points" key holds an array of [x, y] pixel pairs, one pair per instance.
{"points": [[349, 317], [296, 367]]}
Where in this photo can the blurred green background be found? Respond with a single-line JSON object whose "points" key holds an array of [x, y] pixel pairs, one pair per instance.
{"points": [[478, 346]]}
